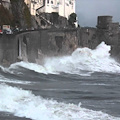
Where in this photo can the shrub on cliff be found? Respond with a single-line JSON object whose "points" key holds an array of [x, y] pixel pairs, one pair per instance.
{"points": [[5, 16], [22, 17], [27, 16], [72, 19]]}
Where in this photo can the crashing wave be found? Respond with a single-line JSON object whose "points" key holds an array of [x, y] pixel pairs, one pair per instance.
{"points": [[83, 61], [23, 103]]}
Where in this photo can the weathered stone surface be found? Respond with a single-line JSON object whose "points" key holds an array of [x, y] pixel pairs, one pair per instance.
{"points": [[33, 46]]}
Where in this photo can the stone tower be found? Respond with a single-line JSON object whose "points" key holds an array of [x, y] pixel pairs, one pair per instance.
{"points": [[104, 22]]}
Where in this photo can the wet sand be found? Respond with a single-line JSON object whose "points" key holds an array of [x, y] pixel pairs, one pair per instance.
{"points": [[8, 116]]}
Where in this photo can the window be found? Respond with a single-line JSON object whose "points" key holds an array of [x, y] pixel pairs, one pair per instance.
{"points": [[47, 1], [51, 2], [58, 3]]}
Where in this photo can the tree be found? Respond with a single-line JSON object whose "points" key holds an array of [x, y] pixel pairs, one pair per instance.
{"points": [[72, 19], [21, 13], [27, 16]]}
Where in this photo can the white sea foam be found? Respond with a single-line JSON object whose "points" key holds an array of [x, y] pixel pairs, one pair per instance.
{"points": [[23, 103], [85, 59], [82, 61], [30, 66]]}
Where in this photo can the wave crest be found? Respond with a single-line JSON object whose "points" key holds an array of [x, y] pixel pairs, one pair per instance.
{"points": [[23, 103], [82, 61]]}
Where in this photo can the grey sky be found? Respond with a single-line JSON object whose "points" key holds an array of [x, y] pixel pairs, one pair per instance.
{"points": [[88, 10]]}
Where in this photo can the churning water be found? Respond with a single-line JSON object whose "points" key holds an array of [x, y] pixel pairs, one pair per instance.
{"points": [[82, 86]]}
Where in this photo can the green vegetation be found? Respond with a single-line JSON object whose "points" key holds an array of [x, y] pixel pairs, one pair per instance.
{"points": [[27, 16], [72, 19]]}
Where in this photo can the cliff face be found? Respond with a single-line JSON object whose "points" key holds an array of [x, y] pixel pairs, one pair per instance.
{"points": [[21, 14], [5, 16], [52, 20], [8, 47], [17, 15]]}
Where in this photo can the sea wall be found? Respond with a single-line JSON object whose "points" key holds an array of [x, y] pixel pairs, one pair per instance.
{"points": [[106, 31], [8, 49], [33, 46], [88, 37]]}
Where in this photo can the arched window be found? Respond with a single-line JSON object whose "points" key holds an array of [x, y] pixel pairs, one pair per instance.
{"points": [[51, 2]]}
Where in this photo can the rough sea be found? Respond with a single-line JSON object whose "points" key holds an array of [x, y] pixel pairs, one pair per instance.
{"points": [[82, 86]]}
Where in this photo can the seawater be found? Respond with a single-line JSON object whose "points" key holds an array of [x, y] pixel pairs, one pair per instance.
{"points": [[82, 86]]}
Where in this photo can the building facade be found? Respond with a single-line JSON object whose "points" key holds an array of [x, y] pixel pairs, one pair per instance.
{"points": [[62, 7], [33, 5]]}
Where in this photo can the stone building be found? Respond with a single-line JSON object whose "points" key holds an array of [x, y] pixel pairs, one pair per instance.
{"points": [[105, 22], [108, 30]]}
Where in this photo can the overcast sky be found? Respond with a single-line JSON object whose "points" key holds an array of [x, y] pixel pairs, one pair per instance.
{"points": [[88, 10]]}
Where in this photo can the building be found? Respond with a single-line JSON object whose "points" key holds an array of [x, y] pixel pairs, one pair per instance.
{"points": [[62, 7], [33, 5]]}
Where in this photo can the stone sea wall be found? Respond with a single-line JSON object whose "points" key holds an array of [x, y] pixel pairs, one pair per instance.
{"points": [[33, 46]]}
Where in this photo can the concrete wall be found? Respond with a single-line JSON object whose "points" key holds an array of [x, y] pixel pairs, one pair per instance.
{"points": [[8, 49], [31, 45], [88, 37], [62, 41]]}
